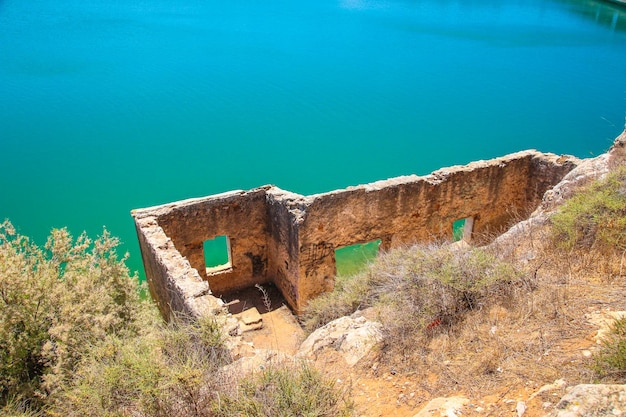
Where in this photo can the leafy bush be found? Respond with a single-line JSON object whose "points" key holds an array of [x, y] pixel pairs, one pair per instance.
{"points": [[610, 361], [77, 340], [285, 391], [55, 303], [594, 216], [174, 370]]}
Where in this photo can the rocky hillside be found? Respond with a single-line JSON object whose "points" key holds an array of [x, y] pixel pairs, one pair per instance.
{"points": [[526, 345]]}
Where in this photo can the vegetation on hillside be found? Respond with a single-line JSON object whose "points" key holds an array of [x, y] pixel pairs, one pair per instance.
{"points": [[433, 285], [55, 303], [589, 232], [610, 362], [77, 340], [456, 311], [421, 292], [595, 217], [289, 391]]}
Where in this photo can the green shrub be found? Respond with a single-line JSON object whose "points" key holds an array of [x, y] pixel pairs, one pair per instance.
{"points": [[594, 217], [610, 361], [285, 391], [18, 407], [76, 340], [117, 375], [55, 303], [174, 370]]}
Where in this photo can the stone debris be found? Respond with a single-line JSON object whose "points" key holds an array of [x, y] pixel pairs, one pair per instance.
{"points": [[604, 321], [249, 320], [558, 384], [353, 337], [590, 400], [250, 316], [443, 407], [259, 360]]}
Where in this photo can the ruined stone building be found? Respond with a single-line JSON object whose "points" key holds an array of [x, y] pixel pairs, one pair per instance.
{"points": [[272, 235]]}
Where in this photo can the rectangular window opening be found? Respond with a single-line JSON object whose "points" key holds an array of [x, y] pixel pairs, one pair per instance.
{"points": [[462, 229], [353, 259], [217, 255]]}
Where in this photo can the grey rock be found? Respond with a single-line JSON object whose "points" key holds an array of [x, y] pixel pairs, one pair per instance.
{"points": [[590, 400], [443, 407], [352, 337]]}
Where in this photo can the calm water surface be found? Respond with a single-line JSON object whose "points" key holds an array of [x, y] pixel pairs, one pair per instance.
{"points": [[111, 105]]}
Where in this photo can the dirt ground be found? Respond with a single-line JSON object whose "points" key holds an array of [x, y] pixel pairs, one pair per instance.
{"points": [[280, 330]]}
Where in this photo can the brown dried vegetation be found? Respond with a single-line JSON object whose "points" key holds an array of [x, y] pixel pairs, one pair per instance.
{"points": [[508, 316]]}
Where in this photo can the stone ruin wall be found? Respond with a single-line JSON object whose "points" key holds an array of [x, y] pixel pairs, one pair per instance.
{"points": [[290, 240], [240, 216]]}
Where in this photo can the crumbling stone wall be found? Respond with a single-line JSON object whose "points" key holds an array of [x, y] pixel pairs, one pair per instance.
{"points": [[286, 212], [290, 239], [404, 210], [242, 217], [174, 284]]}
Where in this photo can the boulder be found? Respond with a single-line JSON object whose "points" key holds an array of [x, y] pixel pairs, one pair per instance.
{"points": [[258, 361], [352, 337], [443, 407], [604, 321], [592, 400]]}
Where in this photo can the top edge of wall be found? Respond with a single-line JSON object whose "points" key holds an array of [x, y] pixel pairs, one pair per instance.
{"points": [[155, 211], [434, 177]]}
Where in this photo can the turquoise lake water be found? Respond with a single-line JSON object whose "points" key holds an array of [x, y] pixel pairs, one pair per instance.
{"points": [[106, 106]]}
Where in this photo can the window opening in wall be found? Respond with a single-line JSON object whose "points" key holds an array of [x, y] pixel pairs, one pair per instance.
{"points": [[217, 254], [457, 229], [354, 258], [462, 229]]}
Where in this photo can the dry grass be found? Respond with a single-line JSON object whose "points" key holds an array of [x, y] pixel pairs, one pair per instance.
{"points": [[351, 293], [290, 389], [510, 314], [535, 331]]}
